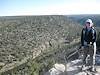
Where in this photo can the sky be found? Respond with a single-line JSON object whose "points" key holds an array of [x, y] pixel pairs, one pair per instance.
{"points": [[48, 7]]}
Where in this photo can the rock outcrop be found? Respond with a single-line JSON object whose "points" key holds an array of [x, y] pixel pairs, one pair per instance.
{"points": [[73, 68]]}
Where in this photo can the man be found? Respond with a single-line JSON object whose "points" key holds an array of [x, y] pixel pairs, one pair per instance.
{"points": [[88, 44]]}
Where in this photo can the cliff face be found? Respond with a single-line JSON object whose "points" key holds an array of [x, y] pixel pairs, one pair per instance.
{"points": [[29, 36]]}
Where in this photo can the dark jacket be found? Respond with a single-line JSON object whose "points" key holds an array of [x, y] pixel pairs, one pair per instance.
{"points": [[88, 35]]}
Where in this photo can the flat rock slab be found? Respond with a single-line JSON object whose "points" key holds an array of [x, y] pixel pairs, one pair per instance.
{"points": [[58, 69]]}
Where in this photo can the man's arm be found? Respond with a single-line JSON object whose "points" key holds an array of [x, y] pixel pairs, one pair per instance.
{"points": [[82, 38]]}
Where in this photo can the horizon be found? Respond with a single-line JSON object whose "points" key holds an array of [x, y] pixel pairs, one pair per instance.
{"points": [[48, 7]]}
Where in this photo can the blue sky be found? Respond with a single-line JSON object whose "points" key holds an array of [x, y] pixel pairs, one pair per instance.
{"points": [[48, 7]]}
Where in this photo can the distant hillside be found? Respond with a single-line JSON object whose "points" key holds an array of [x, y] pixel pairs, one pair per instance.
{"points": [[82, 18], [20, 35], [28, 36]]}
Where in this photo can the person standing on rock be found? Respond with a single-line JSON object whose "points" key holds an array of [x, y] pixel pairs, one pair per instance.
{"points": [[88, 44]]}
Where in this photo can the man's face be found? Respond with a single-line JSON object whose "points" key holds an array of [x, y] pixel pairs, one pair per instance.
{"points": [[87, 24]]}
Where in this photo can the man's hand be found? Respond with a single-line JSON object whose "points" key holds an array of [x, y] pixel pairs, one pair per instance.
{"points": [[90, 45]]}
